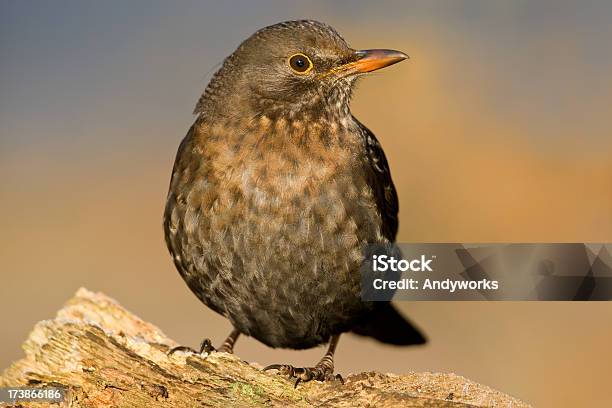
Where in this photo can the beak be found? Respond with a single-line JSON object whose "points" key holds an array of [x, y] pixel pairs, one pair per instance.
{"points": [[371, 60]]}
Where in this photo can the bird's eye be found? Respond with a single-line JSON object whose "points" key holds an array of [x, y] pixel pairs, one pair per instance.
{"points": [[300, 64]]}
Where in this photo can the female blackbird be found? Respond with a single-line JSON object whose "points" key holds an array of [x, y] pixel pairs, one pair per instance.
{"points": [[277, 189]]}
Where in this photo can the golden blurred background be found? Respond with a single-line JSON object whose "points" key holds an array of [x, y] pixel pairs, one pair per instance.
{"points": [[498, 129]]}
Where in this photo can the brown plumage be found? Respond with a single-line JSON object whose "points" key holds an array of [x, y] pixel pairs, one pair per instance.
{"points": [[277, 189]]}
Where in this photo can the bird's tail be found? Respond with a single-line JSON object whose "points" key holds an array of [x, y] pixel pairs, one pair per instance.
{"points": [[387, 325]]}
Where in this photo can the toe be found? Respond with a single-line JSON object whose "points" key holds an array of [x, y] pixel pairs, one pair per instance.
{"points": [[283, 369], [181, 348], [272, 367], [305, 374], [206, 347]]}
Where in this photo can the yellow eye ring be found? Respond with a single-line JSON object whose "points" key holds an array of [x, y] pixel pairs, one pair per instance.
{"points": [[300, 63]]}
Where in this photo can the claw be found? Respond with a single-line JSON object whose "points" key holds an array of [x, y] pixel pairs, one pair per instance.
{"points": [[272, 367], [180, 348]]}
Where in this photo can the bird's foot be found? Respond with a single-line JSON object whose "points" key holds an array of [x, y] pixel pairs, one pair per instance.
{"points": [[321, 372], [205, 347]]}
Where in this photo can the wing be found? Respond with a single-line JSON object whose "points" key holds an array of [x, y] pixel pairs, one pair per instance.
{"points": [[385, 323], [182, 240], [379, 179], [175, 209]]}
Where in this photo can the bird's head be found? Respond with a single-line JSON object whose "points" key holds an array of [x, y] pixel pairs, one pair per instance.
{"points": [[291, 68]]}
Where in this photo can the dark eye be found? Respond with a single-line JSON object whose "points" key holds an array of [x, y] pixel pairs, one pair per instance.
{"points": [[300, 63]]}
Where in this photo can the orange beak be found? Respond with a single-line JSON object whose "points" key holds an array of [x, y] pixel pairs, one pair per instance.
{"points": [[371, 60]]}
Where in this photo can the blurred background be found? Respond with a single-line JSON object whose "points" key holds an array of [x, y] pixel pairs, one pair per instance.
{"points": [[498, 129]]}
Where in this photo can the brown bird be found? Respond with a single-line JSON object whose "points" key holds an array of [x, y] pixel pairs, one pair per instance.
{"points": [[276, 191]]}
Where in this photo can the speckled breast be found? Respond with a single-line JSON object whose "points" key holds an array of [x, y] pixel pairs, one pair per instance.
{"points": [[267, 227]]}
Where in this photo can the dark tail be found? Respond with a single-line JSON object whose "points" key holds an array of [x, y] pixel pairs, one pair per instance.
{"points": [[387, 325]]}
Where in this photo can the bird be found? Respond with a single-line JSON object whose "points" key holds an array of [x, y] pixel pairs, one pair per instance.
{"points": [[277, 189]]}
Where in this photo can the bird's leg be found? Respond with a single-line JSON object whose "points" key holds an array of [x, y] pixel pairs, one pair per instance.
{"points": [[207, 347], [323, 371], [228, 344]]}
